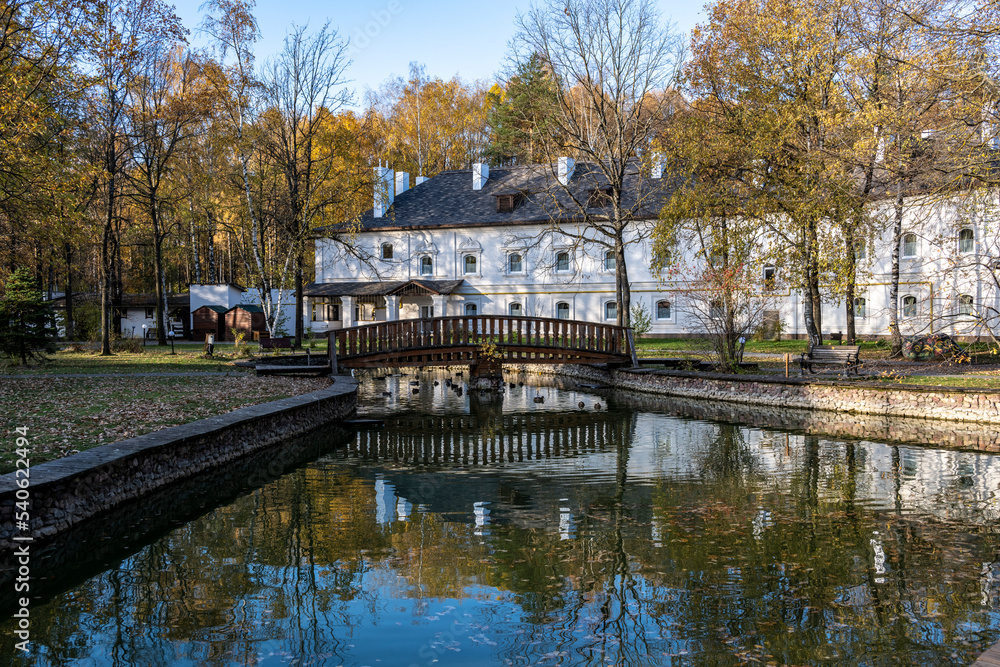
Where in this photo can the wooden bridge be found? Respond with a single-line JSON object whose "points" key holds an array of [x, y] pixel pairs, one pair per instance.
{"points": [[478, 340]]}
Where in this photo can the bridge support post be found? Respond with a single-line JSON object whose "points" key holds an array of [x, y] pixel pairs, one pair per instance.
{"points": [[332, 351]]}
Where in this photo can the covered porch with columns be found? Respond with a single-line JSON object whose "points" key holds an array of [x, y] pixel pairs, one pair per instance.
{"points": [[340, 305]]}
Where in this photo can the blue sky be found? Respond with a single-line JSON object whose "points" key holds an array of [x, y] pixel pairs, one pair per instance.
{"points": [[449, 36]]}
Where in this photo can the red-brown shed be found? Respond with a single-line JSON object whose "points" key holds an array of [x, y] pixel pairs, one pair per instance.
{"points": [[209, 320], [247, 319]]}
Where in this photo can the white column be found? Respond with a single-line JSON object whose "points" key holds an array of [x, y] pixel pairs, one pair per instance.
{"points": [[440, 305], [347, 311], [391, 308]]}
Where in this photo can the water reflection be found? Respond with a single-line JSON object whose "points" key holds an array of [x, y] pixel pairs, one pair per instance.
{"points": [[472, 531]]}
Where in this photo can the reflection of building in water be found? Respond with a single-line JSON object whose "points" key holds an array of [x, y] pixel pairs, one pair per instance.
{"points": [[385, 500], [540, 458]]}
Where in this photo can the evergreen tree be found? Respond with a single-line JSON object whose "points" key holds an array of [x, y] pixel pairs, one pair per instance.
{"points": [[521, 118], [26, 322]]}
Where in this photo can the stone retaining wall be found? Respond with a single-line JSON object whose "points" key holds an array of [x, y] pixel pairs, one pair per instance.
{"points": [[868, 398], [68, 491]]}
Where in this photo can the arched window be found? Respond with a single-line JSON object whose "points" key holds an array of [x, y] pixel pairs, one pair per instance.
{"points": [[562, 310], [715, 310], [860, 307], [427, 265], [663, 310], [562, 261], [514, 262], [909, 306], [609, 260], [515, 309], [966, 240], [471, 309], [386, 251], [611, 310], [909, 245], [470, 263], [965, 304], [860, 251]]}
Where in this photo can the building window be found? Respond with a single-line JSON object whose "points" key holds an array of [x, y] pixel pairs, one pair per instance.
{"points": [[326, 312], [769, 278], [611, 310], [966, 240], [470, 264], [910, 245], [860, 307], [663, 310], [599, 198], [965, 304], [562, 261], [426, 265], [514, 264], [715, 310], [609, 260], [860, 252], [426, 312], [909, 306], [471, 309], [386, 251], [562, 310], [515, 310], [150, 313]]}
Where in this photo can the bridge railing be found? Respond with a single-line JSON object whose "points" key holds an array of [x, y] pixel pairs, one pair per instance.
{"points": [[507, 332]]}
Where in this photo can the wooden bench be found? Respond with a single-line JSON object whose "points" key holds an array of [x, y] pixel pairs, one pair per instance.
{"points": [[847, 356], [275, 343]]}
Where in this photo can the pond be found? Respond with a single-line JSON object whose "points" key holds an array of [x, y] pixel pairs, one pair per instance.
{"points": [[472, 530]]}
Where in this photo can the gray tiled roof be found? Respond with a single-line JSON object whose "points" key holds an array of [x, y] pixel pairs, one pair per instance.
{"points": [[448, 198], [378, 288]]}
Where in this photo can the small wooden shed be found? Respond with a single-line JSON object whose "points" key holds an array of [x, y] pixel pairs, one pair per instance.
{"points": [[247, 319], [209, 320]]}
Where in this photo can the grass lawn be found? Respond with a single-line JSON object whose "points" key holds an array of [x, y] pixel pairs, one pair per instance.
{"points": [[67, 415], [655, 347], [976, 381], [151, 360]]}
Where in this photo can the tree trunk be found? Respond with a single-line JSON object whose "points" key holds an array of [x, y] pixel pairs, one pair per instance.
{"points": [[624, 294], [195, 260], [212, 275], [897, 232], [161, 334], [68, 249], [106, 262], [298, 299]]}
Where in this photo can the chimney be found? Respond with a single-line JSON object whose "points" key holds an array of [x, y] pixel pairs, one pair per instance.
{"points": [[383, 191], [421, 179], [402, 182], [480, 174], [566, 167]]}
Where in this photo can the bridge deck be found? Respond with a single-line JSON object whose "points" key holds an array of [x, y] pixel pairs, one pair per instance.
{"points": [[445, 341]]}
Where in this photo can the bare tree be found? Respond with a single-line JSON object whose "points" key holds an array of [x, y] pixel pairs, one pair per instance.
{"points": [[163, 116], [303, 87], [612, 62], [124, 34]]}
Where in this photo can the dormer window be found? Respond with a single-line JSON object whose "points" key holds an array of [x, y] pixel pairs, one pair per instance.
{"points": [[507, 203], [386, 251], [599, 198]]}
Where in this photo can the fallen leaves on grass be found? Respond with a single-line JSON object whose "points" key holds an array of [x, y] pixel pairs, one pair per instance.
{"points": [[68, 415]]}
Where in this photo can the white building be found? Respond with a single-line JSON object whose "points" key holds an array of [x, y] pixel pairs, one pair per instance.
{"points": [[478, 241]]}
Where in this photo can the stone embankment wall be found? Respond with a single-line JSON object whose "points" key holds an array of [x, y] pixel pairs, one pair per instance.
{"points": [[863, 398], [68, 491]]}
